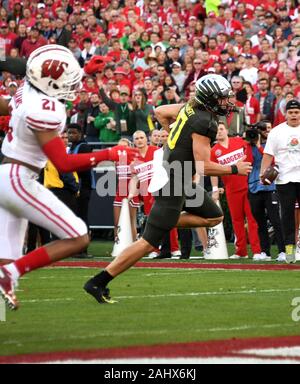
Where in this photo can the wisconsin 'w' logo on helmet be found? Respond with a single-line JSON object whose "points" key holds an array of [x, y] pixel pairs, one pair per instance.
{"points": [[53, 70], [211, 90]]}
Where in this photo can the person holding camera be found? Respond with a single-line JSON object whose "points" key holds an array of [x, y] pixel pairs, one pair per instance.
{"points": [[283, 145], [263, 199]]}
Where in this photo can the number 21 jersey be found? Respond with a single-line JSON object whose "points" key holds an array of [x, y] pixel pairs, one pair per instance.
{"points": [[31, 111]]}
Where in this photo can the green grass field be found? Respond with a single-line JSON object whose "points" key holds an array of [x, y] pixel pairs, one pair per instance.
{"points": [[154, 306]]}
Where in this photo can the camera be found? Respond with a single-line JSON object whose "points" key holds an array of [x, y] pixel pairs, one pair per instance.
{"points": [[252, 134]]}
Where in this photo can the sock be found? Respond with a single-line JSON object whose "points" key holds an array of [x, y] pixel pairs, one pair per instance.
{"points": [[102, 279], [289, 249], [33, 260], [12, 269]]}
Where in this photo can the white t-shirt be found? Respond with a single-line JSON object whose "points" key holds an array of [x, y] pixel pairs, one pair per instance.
{"points": [[284, 144], [249, 74], [32, 111]]}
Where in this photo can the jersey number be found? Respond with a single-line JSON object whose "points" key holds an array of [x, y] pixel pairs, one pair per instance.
{"points": [[48, 105], [177, 128]]}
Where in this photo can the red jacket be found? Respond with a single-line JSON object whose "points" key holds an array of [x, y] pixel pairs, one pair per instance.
{"points": [[29, 46]]}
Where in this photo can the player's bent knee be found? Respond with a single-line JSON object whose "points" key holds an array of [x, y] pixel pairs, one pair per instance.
{"points": [[80, 243], [147, 246], [215, 221]]}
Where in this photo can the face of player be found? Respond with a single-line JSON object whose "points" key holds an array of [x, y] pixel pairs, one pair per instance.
{"points": [[222, 133], [293, 117], [140, 140]]}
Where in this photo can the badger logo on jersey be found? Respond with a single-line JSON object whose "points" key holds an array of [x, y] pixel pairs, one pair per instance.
{"points": [[53, 68]]}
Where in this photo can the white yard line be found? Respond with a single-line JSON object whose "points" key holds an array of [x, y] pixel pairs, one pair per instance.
{"points": [[168, 295], [110, 333]]}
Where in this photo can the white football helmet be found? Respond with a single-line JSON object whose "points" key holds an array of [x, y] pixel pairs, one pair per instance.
{"points": [[54, 71], [210, 89]]}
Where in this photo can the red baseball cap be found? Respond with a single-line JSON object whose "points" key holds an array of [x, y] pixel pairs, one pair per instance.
{"points": [[120, 71], [211, 14]]}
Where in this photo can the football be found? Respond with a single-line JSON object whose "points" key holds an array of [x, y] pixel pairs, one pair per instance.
{"points": [[269, 175]]}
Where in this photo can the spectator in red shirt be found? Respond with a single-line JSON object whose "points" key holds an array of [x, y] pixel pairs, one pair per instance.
{"points": [[166, 11], [213, 50], [230, 23], [293, 57], [222, 38], [207, 62], [115, 52], [250, 6], [80, 34], [108, 73], [271, 65], [115, 26], [138, 79], [252, 111], [8, 37], [121, 78], [34, 41], [28, 19], [195, 74], [93, 25], [130, 5]]}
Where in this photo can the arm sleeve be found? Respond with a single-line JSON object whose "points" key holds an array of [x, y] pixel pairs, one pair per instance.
{"points": [[56, 152]]}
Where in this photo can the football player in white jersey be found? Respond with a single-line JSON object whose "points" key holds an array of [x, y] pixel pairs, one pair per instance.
{"points": [[37, 117]]}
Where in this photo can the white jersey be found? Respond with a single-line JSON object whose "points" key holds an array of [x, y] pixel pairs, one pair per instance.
{"points": [[32, 111], [284, 144]]}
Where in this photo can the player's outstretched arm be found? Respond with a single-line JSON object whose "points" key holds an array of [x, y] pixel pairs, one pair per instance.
{"points": [[201, 151], [55, 150], [166, 114]]}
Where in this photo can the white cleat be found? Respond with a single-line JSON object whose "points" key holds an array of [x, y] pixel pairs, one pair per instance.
{"points": [[152, 255], [237, 257], [7, 288], [261, 257], [281, 257], [175, 254]]}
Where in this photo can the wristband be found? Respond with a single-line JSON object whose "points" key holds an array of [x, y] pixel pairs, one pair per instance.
{"points": [[215, 189], [234, 170]]}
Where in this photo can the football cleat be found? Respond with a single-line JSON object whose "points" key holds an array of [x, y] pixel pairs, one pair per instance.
{"points": [[101, 294], [7, 289]]}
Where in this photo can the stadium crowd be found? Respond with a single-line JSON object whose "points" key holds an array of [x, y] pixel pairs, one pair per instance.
{"points": [[138, 55]]}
